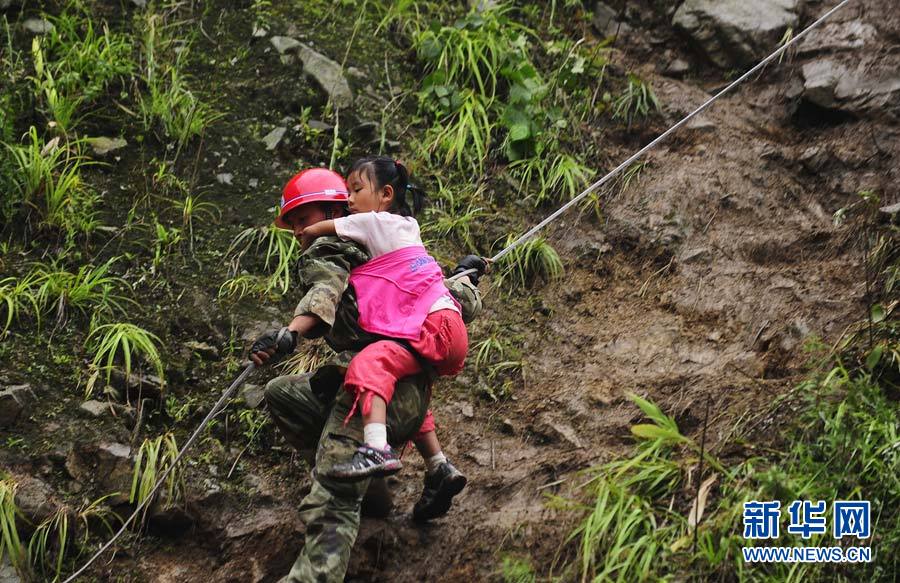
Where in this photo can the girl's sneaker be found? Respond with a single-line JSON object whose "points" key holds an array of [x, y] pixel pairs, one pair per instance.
{"points": [[367, 462], [437, 496]]}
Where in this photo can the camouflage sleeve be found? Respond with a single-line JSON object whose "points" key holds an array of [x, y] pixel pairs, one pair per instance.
{"points": [[468, 297], [323, 271]]}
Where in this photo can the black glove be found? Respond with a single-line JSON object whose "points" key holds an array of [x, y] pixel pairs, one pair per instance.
{"points": [[471, 262], [284, 342]]}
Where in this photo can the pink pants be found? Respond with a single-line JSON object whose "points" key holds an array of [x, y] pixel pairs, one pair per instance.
{"points": [[377, 368]]}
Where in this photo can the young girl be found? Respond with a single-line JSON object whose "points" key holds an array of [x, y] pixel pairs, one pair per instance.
{"points": [[401, 295]]}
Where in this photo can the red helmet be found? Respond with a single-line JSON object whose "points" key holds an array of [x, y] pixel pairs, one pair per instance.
{"points": [[312, 185]]}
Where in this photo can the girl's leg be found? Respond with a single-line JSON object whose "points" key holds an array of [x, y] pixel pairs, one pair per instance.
{"points": [[372, 376]]}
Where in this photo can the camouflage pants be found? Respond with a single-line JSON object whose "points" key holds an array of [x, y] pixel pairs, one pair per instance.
{"points": [[310, 410]]}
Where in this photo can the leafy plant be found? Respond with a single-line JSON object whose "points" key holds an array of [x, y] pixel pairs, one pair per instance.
{"points": [[86, 62], [474, 49], [165, 240], [10, 542], [91, 288], [253, 421], [19, 296], [154, 457], [449, 218], [47, 177], [532, 259], [168, 104], [282, 249], [636, 101], [54, 529], [60, 103], [464, 135], [125, 342], [517, 570], [191, 207]]}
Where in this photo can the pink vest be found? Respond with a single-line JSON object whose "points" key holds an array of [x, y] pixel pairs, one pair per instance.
{"points": [[396, 290]]}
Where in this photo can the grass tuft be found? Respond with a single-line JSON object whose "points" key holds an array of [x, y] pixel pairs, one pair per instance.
{"points": [[533, 259], [121, 342]]}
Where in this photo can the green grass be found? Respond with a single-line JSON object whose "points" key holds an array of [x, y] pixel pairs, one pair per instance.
{"points": [[463, 137], [454, 224], [282, 250], [517, 570], [90, 289], [558, 180], [169, 106], [47, 179], [636, 101], [472, 51], [531, 260], [124, 343], [18, 297], [11, 546], [154, 457]]}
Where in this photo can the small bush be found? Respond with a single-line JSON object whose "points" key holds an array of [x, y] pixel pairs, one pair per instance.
{"points": [[534, 258], [155, 456], [122, 342]]}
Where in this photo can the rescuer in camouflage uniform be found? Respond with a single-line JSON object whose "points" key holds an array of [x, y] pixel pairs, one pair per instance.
{"points": [[310, 409]]}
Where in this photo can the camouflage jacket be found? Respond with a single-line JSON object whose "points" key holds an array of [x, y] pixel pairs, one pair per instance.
{"points": [[324, 273]]}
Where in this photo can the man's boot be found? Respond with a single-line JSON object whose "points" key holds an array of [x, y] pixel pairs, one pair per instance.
{"points": [[377, 502]]}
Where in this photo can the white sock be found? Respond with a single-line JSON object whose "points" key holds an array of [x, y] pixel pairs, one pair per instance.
{"points": [[432, 463], [375, 434]]}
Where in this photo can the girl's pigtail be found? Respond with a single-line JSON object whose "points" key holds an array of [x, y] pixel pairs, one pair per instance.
{"points": [[418, 198]]}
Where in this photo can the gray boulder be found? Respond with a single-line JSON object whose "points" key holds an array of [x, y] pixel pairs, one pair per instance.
{"points": [[605, 21], [737, 33], [831, 84], [821, 80], [328, 75], [107, 466]]}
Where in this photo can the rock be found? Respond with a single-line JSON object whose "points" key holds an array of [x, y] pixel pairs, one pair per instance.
{"points": [[367, 130], [38, 26], [328, 75], [701, 124], [253, 395], [13, 402], [814, 158], [225, 178], [820, 81], [253, 182], [677, 68], [95, 408], [837, 36], [315, 124], [283, 44], [467, 410], [4, 4], [7, 573], [102, 146], [606, 21], [558, 430], [106, 466], [204, 350], [139, 3], [137, 386], [736, 33], [483, 5], [34, 498], [698, 254], [260, 32], [891, 209], [273, 138]]}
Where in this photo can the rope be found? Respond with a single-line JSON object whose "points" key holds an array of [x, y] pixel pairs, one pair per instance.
{"points": [[220, 404], [618, 169], [530, 233]]}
